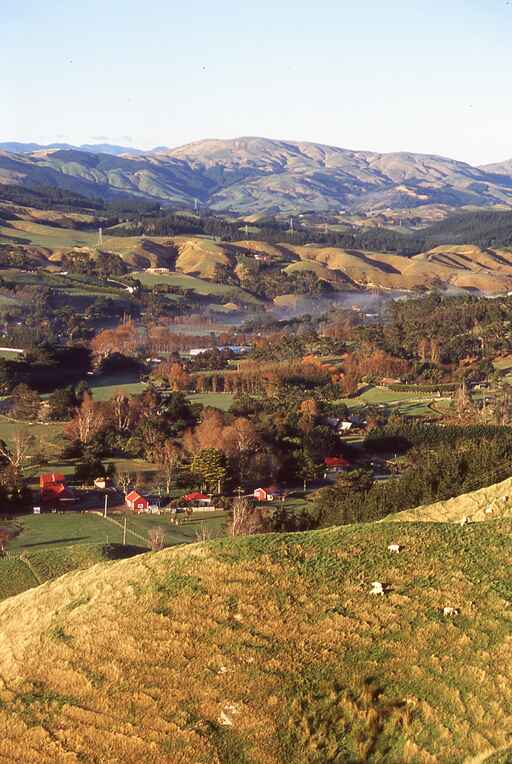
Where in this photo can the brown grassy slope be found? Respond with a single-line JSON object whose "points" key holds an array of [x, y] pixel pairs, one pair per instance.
{"points": [[267, 649], [496, 499]]}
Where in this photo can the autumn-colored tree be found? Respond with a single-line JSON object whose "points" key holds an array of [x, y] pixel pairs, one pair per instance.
{"points": [[308, 413], [124, 339]]}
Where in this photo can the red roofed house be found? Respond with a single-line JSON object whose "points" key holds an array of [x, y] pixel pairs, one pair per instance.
{"points": [[336, 464], [54, 492], [135, 501], [200, 498]]}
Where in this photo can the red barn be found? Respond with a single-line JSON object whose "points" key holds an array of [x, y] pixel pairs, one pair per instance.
{"points": [[135, 501]]}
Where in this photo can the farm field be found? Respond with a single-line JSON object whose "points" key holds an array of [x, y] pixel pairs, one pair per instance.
{"points": [[185, 533], [51, 530]]}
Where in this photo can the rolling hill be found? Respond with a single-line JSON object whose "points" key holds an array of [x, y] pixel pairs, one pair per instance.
{"points": [[251, 175], [268, 649], [44, 238]]}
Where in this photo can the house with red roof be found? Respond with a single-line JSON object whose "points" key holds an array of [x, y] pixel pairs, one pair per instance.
{"points": [[136, 502], [336, 464], [54, 492], [198, 498]]}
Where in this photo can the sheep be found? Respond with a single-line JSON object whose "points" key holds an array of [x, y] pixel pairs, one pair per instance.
{"points": [[488, 510], [377, 588], [465, 520], [394, 548], [450, 611]]}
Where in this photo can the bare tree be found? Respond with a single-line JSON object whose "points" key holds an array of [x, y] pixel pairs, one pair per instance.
{"points": [[244, 519], [124, 480], [19, 451], [168, 459], [156, 538], [203, 533]]}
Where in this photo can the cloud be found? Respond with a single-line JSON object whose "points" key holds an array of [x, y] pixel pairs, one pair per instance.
{"points": [[127, 138], [99, 138]]}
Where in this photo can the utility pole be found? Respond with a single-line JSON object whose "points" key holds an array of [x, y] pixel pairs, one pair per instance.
{"points": [[100, 237], [106, 502]]}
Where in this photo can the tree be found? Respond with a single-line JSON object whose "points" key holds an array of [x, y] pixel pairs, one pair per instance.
{"points": [[240, 440], [156, 538], [245, 520], [62, 402], [88, 421], [18, 453], [124, 480], [7, 534], [210, 465], [168, 459], [25, 403]]}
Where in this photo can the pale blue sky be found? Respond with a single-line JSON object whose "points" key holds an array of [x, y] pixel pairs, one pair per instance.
{"points": [[432, 76]]}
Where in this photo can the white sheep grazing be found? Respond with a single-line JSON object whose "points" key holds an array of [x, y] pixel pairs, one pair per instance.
{"points": [[450, 611], [394, 548], [377, 588], [465, 520]]}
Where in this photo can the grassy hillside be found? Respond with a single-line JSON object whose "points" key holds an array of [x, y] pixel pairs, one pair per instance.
{"points": [[30, 567], [268, 649]]}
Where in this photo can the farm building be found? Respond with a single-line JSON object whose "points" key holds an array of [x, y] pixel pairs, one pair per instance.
{"points": [[267, 494], [198, 498], [336, 464], [136, 502], [53, 491]]}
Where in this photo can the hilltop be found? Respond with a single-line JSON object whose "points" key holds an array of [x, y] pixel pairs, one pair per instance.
{"points": [[252, 175], [268, 649]]}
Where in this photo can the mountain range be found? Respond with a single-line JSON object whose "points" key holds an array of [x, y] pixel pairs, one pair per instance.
{"points": [[251, 175]]}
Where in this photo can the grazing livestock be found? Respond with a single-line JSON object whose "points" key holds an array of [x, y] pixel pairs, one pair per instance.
{"points": [[377, 588], [394, 548], [488, 510], [450, 611], [465, 520]]}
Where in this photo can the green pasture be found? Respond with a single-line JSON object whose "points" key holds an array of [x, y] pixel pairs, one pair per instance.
{"points": [[201, 286], [49, 530], [222, 401], [106, 386]]}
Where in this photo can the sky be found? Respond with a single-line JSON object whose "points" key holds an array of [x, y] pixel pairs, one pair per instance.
{"points": [[381, 75]]}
